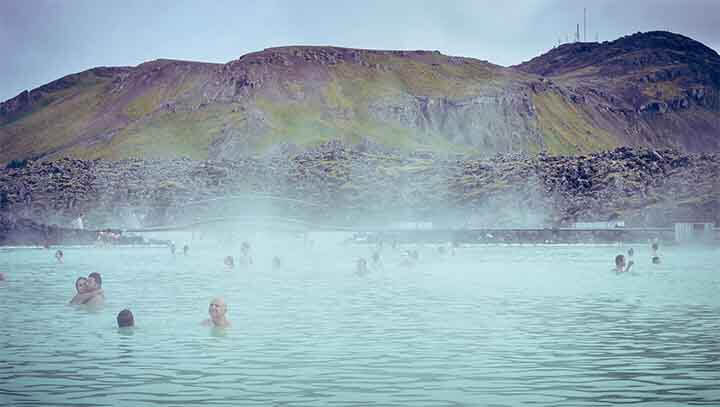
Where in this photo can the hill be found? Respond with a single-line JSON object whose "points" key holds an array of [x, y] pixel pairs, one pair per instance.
{"points": [[332, 184], [656, 90]]}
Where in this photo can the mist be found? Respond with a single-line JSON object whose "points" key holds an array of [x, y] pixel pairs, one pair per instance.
{"points": [[460, 234]]}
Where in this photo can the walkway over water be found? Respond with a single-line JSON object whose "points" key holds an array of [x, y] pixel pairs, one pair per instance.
{"points": [[378, 233], [300, 216]]}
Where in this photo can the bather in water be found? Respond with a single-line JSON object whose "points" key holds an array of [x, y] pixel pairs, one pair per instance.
{"points": [[125, 319], [361, 267], [229, 263], [80, 288], [245, 259], [410, 258], [218, 314], [376, 262], [655, 257], [620, 265], [89, 290], [94, 286]]}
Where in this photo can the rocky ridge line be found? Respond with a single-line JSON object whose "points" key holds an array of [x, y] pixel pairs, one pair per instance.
{"points": [[341, 184]]}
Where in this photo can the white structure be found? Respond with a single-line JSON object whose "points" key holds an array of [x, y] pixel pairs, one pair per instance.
{"points": [[78, 223], [410, 226], [599, 225], [693, 231]]}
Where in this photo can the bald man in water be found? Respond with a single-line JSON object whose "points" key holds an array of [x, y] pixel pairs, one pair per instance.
{"points": [[218, 312]]}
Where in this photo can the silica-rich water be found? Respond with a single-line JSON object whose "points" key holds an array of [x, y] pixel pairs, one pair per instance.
{"points": [[490, 325]]}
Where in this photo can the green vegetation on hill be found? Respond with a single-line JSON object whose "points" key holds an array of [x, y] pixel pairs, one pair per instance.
{"points": [[55, 121], [657, 90], [165, 135], [567, 129]]}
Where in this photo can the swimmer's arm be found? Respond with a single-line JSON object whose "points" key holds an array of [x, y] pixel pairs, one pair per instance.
{"points": [[80, 298], [629, 266], [84, 297], [96, 300]]}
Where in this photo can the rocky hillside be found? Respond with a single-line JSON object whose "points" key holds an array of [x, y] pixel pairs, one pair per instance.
{"points": [[655, 90], [345, 185]]}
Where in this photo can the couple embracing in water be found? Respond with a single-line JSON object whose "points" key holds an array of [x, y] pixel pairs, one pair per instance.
{"points": [[89, 290]]}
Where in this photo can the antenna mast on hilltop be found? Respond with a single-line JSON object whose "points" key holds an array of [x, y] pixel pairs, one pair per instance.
{"points": [[577, 33], [584, 37]]}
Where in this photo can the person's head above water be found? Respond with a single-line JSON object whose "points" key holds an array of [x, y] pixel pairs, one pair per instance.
{"points": [[655, 246], [218, 311], [125, 319], [631, 252], [229, 261], [276, 262], [81, 284], [620, 261], [361, 266], [94, 281]]}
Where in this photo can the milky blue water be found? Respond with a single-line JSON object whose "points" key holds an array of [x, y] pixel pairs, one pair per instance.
{"points": [[501, 326]]}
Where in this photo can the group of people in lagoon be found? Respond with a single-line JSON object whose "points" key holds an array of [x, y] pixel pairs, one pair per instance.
{"points": [[623, 266], [185, 249], [89, 292], [244, 259], [89, 289]]}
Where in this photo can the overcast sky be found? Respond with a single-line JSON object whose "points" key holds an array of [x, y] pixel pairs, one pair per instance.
{"points": [[43, 40]]}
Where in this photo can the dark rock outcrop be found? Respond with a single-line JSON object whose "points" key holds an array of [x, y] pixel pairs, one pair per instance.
{"points": [[336, 183]]}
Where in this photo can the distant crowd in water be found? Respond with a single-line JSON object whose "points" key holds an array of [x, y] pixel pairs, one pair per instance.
{"points": [[89, 291], [623, 266]]}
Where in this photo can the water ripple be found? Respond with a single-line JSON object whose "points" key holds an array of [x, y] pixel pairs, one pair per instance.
{"points": [[493, 326]]}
